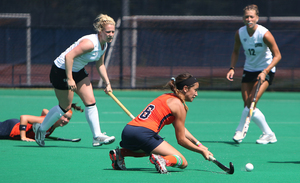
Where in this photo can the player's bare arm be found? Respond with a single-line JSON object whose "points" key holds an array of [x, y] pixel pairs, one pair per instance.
{"points": [[271, 43], [83, 47], [103, 73], [44, 112], [189, 136], [179, 124], [24, 120], [234, 56]]}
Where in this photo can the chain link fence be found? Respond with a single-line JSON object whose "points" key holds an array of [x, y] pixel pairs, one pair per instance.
{"points": [[151, 44]]}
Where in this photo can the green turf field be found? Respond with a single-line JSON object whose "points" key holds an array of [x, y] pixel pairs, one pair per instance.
{"points": [[212, 118]]}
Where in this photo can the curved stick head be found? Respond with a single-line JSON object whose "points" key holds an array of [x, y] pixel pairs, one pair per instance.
{"points": [[231, 170], [76, 140]]}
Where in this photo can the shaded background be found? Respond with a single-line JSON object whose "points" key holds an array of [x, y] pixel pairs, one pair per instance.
{"points": [[199, 40]]}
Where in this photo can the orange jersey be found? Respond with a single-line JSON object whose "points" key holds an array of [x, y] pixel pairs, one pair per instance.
{"points": [[15, 132], [156, 115]]}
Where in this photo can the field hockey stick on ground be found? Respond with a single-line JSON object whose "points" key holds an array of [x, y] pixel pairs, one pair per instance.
{"points": [[229, 170], [63, 139], [120, 104], [248, 119]]}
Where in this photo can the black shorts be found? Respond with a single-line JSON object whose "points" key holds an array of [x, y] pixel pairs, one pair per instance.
{"points": [[249, 77], [135, 138], [58, 77]]}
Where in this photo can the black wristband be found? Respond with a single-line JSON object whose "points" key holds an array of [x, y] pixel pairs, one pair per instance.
{"points": [[22, 127], [231, 68]]}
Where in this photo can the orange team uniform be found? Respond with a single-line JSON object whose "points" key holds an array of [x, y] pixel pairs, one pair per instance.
{"points": [[15, 132], [156, 115]]}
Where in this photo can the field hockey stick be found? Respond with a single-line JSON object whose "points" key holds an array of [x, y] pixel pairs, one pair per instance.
{"points": [[246, 125], [63, 139], [120, 104], [229, 170]]}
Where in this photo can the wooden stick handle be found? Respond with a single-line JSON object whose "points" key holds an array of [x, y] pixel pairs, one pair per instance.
{"points": [[120, 104]]}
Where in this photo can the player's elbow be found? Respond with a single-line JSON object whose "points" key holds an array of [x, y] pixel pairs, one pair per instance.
{"points": [[279, 57], [22, 118], [181, 141]]}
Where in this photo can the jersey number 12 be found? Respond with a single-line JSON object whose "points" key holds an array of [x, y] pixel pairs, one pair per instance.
{"points": [[251, 52]]}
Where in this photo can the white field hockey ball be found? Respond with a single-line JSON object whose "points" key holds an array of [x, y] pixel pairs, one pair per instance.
{"points": [[249, 167]]}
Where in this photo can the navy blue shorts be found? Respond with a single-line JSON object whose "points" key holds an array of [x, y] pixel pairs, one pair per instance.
{"points": [[135, 138], [6, 127], [58, 77], [249, 77]]}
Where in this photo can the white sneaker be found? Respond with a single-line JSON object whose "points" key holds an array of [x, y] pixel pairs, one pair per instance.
{"points": [[238, 137], [40, 137], [103, 139], [159, 162], [266, 138]]}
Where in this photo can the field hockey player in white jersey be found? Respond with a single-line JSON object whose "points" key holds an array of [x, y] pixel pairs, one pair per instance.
{"points": [[262, 55], [68, 76]]}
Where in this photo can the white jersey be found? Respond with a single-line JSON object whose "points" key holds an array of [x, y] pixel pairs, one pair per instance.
{"points": [[84, 59], [258, 54]]}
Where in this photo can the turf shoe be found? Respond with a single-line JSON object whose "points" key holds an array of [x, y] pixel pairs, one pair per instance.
{"points": [[118, 162], [35, 127], [103, 139], [238, 137], [159, 162], [40, 137], [266, 138]]}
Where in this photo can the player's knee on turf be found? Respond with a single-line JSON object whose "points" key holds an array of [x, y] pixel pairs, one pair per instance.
{"points": [[184, 165], [183, 161], [176, 161]]}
